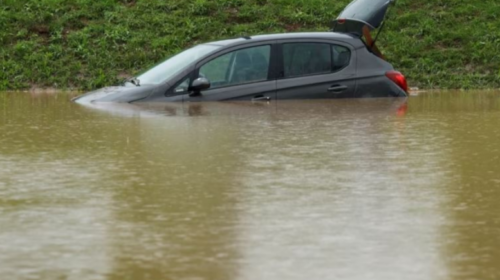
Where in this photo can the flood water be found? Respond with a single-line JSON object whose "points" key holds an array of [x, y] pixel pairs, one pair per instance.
{"points": [[347, 189]]}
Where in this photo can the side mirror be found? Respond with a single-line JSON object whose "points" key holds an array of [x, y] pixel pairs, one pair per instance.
{"points": [[198, 85]]}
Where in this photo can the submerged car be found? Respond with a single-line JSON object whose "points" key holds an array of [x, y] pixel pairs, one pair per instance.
{"points": [[343, 63]]}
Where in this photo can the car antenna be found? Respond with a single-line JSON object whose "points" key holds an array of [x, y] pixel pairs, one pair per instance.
{"points": [[247, 37]]}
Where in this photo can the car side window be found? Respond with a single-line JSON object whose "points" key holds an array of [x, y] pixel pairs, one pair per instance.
{"points": [[303, 59], [341, 57], [183, 86], [238, 67]]}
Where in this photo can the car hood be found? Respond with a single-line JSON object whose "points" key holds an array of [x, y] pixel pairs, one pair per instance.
{"points": [[119, 94], [360, 13]]}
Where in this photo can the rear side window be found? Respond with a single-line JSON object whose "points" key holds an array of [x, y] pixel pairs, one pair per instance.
{"points": [[341, 57], [304, 59]]}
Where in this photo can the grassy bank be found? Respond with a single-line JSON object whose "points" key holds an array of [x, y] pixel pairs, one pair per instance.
{"points": [[86, 44]]}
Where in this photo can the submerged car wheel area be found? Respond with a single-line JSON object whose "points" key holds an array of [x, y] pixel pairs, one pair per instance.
{"points": [[344, 63]]}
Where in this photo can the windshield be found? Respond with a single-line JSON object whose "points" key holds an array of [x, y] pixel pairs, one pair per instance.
{"points": [[174, 65]]}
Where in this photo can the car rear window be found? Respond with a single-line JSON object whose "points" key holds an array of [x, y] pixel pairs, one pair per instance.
{"points": [[304, 59]]}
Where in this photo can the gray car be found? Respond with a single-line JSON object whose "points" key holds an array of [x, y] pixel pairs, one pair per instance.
{"points": [[343, 63]]}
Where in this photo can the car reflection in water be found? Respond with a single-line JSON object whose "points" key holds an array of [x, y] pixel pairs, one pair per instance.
{"points": [[358, 107]]}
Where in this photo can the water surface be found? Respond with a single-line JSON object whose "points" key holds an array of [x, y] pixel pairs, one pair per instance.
{"points": [[348, 189]]}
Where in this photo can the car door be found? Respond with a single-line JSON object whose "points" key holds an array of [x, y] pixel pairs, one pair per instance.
{"points": [[244, 73], [316, 70]]}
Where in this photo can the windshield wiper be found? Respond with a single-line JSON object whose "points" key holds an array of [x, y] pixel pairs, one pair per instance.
{"points": [[135, 81]]}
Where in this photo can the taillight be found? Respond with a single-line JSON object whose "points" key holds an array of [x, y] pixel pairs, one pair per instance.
{"points": [[398, 78]]}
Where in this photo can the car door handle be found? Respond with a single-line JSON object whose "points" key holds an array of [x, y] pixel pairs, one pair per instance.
{"points": [[261, 98], [337, 88]]}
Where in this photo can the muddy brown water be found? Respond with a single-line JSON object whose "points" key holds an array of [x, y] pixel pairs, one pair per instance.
{"points": [[348, 189]]}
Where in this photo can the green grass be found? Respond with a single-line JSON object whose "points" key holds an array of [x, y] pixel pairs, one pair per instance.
{"points": [[86, 44]]}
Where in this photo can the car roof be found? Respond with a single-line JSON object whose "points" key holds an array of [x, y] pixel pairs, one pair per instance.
{"points": [[286, 36]]}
